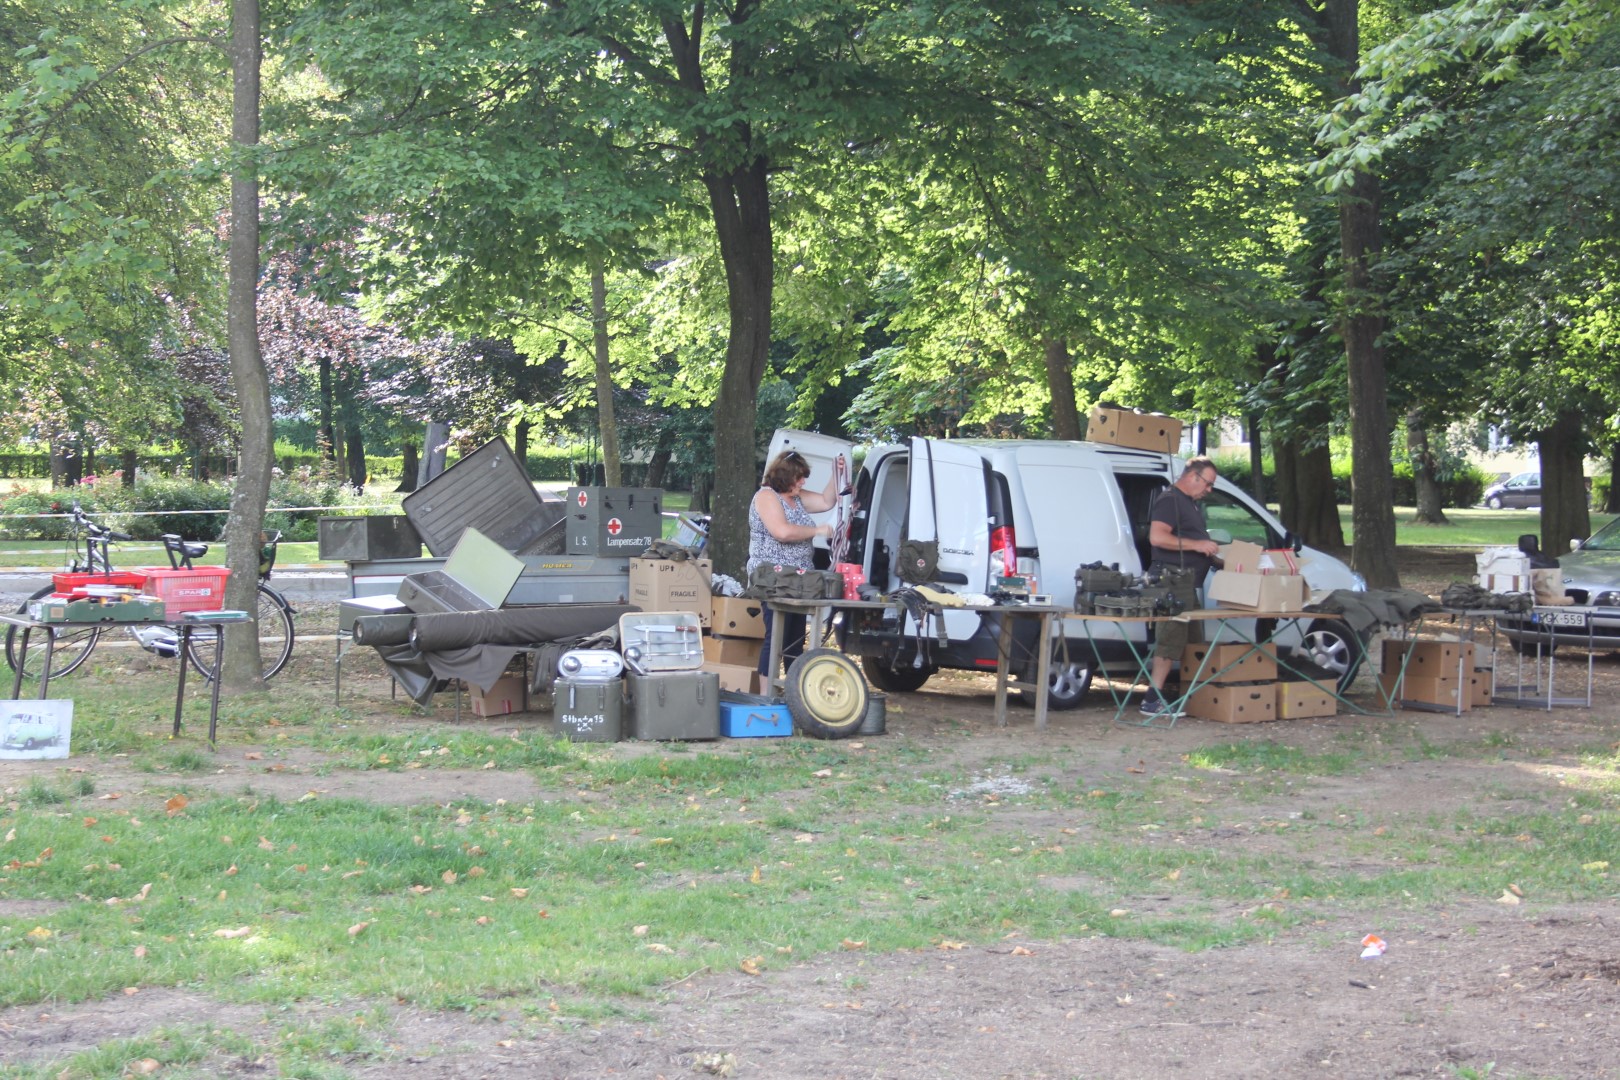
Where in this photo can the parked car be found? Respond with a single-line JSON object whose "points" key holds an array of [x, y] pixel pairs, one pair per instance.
{"points": [[1591, 578], [1518, 491], [1038, 509]]}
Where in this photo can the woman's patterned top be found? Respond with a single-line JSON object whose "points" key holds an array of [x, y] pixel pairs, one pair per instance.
{"points": [[766, 550]]}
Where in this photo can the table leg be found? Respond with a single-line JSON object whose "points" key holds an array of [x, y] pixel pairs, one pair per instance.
{"points": [[219, 665], [45, 672], [1003, 663], [180, 681], [22, 662], [773, 662], [1043, 668]]}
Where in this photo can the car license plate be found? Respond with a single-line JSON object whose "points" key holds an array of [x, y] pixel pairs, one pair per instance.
{"points": [[1564, 618]]}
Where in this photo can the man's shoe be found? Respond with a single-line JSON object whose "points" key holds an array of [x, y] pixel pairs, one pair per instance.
{"points": [[1154, 705]]}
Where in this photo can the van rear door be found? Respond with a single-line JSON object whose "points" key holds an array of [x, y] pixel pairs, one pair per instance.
{"points": [[950, 499], [823, 453]]}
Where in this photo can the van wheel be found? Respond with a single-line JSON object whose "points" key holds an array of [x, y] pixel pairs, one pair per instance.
{"points": [[1066, 686], [895, 680], [826, 694], [1334, 648]]}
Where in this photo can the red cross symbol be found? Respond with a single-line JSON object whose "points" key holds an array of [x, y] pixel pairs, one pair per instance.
{"points": [[583, 499], [615, 526]]}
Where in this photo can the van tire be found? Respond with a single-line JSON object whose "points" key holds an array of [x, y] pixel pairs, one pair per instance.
{"points": [[1335, 648], [895, 680], [826, 694], [1066, 686]]}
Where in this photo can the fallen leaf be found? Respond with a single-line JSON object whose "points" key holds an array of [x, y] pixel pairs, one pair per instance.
{"points": [[308, 796], [1591, 866], [1174, 875], [1515, 890], [352, 873], [483, 920], [39, 933], [252, 755], [1019, 950], [475, 871], [822, 773], [803, 838], [849, 945], [954, 946], [145, 1067], [1507, 898], [489, 764], [111, 795], [358, 928], [659, 947], [145, 889], [754, 878], [176, 804], [140, 952], [520, 893], [448, 877], [265, 844], [639, 931], [749, 965], [232, 871], [89, 821], [241, 931], [1119, 912], [421, 889]]}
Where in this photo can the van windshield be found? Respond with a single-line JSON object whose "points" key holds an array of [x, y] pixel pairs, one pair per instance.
{"points": [[1222, 511]]}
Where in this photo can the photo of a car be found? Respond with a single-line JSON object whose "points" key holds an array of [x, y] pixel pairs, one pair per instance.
{"points": [[26, 732], [1516, 492]]}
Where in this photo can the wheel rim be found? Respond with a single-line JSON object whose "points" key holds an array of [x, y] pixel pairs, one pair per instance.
{"points": [[829, 689], [1495, 504], [1327, 650], [1068, 681]]}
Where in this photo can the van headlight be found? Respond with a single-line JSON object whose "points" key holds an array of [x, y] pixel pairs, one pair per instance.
{"points": [[1358, 582]]}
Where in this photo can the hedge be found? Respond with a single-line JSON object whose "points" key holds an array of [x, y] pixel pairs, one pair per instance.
{"points": [[1462, 490], [158, 506]]}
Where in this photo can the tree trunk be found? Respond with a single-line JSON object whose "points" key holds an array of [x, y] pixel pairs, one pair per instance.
{"points": [[1305, 495], [434, 451], [407, 469], [1060, 385], [129, 461], [1372, 508], [1426, 487], [242, 666], [339, 453], [1564, 515], [1257, 458], [1611, 502], [520, 439], [328, 439], [355, 444], [606, 425], [741, 204]]}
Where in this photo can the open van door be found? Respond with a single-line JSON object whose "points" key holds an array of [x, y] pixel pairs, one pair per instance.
{"points": [[829, 458], [949, 500]]}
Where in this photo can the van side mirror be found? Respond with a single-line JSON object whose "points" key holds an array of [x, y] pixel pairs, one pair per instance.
{"points": [[1220, 536], [1575, 545]]}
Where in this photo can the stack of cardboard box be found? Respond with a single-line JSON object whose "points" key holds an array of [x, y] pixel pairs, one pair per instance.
{"points": [[1257, 580], [1243, 687], [1439, 673], [731, 649], [1133, 428], [672, 585]]}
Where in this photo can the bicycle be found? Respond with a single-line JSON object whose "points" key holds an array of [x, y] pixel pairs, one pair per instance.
{"points": [[73, 643]]}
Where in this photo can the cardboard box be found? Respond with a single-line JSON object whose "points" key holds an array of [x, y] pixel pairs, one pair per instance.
{"points": [[736, 616], [1242, 703], [1129, 427], [732, 650], [1430, 659], [667, 585], [1246, 664], [1258, 592], [1423, 690], [1479, 687], [506, 696], [742, 679], [1303, 700], [1241, 557]]}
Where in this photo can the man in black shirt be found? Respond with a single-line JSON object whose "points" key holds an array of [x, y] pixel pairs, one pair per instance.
{"points": [[1178, 537]]}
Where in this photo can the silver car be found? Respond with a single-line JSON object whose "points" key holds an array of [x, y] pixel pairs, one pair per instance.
{"points": [[1591, 575]]}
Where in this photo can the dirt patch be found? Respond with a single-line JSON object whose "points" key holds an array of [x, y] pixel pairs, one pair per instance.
{"points": [[1531, 988]]}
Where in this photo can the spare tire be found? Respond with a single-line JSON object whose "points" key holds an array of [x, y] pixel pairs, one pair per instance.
{"points": [[826, 694]]}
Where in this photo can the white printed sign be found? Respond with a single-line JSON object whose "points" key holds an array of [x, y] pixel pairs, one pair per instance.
{"points": [[35, 729]]}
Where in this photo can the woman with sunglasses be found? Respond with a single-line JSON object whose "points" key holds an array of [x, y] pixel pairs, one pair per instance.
{"points": [[781, 533]]}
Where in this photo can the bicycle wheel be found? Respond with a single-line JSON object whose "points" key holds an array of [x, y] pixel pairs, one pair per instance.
{"points": [[274, 620], [74, 644]]}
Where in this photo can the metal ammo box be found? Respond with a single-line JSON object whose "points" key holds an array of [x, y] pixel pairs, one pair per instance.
{"points": [[613, 520], [357, 539], [674, 705], [490, 491], [478, 576], [588, 710]]}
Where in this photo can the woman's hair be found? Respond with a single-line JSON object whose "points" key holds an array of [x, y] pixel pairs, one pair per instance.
{"points": [[788, 469]]}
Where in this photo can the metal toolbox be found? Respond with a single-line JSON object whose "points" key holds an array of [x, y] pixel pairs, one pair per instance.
{"points": [[359, 539], [657, 641], [478, 576], [588, 710], [358, 607], [613, 520], [674, 705], [751, 716], [487, 490]]}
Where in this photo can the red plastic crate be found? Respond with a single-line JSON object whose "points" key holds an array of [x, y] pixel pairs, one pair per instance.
{"points": [[68, 584], [201, 589]]}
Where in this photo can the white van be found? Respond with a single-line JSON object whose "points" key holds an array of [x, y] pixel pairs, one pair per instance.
{"points": [[1042, 509]]}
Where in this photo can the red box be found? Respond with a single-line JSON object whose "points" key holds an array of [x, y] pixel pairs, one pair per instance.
{"points": [[200, 589], [68, 584]]}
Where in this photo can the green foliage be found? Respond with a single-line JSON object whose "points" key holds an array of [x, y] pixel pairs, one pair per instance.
{"points": [[1463, 487], [193, 509]]}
